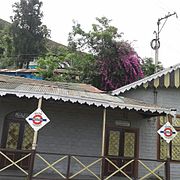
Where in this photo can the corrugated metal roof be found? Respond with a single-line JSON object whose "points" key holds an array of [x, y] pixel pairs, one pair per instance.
{"points": [[29, 71], [73, 92], [145, 80], [16, 81], [18, 70]]}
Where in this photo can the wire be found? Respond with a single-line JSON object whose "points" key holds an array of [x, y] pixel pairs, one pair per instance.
{"points": [[166, 8], [163, 25]]}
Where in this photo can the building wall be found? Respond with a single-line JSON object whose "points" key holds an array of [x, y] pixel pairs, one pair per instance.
{"points": [[77, 129], [73, 129], [167, 97], [147, 139], [146, 95]]}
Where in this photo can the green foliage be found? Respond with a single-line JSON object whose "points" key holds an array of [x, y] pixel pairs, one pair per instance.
{"points": [[4, 24], [47, 65], [97, 41], [148, 66], [6, 48], [29, 34], [6, 62], [79, 66], [84, 64], [116, 62], [98, 57]]}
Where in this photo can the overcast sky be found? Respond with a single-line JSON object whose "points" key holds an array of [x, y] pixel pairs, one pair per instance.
{"points": [[137, 19]]}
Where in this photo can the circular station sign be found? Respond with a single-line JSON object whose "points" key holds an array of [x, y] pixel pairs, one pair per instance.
{"points": [[37, 119], [167, 132]]}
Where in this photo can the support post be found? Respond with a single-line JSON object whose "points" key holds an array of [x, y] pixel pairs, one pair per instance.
{"points": [[68, 167], [156, 40], [157, 51], [103, 131], [168, 169], [168, 160], [31, 165], [168, 163], [34, 145], [102, 168], [103, 143]]}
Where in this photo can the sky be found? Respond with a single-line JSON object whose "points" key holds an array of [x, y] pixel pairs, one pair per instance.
{"points": [[137, 19]]}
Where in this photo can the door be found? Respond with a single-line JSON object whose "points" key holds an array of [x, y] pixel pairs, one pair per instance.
{"points": [[17, 135], [121, 146]]}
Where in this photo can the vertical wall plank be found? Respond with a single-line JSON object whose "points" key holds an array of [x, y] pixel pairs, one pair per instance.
{"points": [[167, 80], [156, 82], [145, 85], [176, 78]]}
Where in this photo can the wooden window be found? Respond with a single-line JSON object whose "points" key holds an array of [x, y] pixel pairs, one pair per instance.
{"points": [[121, 147], [174, 145], [17, 135]]}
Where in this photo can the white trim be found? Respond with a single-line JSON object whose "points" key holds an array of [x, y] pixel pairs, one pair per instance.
{"points": [[145, 80], [117, 103]]}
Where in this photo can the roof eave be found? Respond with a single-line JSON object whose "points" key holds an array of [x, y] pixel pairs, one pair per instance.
{"points": [[88, 101], [145, 80]]}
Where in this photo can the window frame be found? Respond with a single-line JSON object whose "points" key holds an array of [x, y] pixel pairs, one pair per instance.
{"points": [[12, 118]]}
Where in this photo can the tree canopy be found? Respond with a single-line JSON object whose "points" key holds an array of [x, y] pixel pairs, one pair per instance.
{"points": [[148, 66], [100, 57], [116, 62], [6, 47], [29, 34]]}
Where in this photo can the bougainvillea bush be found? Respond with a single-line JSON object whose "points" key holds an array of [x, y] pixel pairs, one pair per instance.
{"points": [[122, 68]]}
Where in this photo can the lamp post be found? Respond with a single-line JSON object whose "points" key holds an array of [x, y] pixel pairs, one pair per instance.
{"points": [[155, 43]]}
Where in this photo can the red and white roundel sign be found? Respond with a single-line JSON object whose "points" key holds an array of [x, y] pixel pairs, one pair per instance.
{"points": [[37, 119], [167, 132]]}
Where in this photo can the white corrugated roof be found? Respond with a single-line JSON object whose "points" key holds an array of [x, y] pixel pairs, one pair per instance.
{"points": [[145, 80], [72, 92]]}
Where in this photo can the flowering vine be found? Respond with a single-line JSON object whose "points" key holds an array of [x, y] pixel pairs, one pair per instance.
{"points": [[120, 68]]}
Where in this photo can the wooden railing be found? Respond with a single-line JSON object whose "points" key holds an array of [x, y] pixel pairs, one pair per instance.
{"points": [[44, 165], [7, 163]]}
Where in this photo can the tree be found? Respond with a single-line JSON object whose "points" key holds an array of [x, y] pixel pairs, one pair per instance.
{"points": [[116, 62], [74, 66], [29, 34], [148, 66], [6, 48]]}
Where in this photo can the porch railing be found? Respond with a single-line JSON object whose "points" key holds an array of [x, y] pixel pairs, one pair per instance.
{"points": [[57, 166]]}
